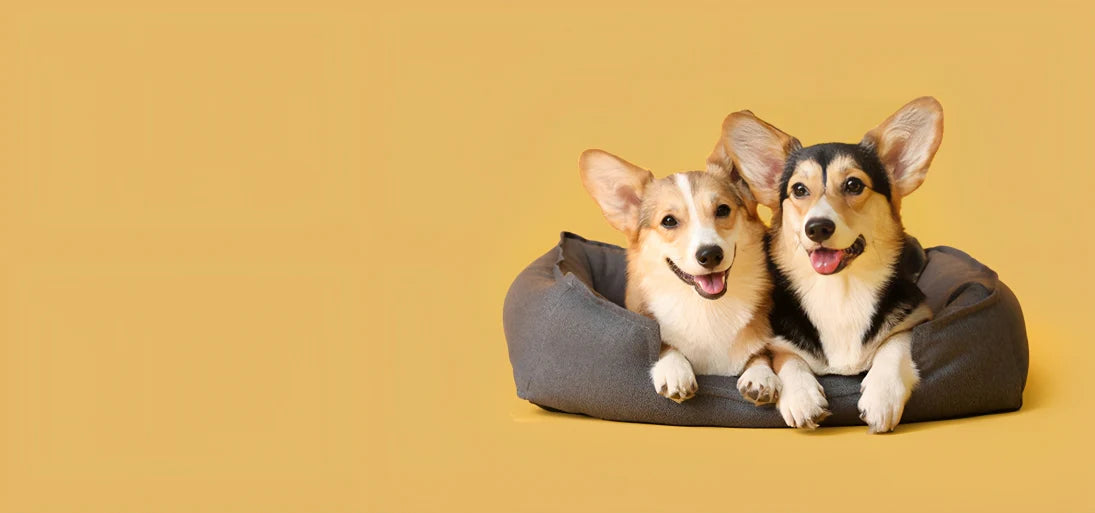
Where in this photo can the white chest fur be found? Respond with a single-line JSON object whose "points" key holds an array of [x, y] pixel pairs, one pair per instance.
{"points": [[841, 307], [714, 334], [708, 332]]}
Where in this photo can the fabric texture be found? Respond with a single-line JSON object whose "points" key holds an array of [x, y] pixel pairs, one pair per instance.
{"points": [[574, 347]]}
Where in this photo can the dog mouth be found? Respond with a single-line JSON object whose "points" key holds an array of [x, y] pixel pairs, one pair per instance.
{"points": [[831, 261], [708, 286]]}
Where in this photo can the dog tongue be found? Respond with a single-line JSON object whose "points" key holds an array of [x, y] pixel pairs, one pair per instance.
{"points": [[711, 283], [825, 261]]}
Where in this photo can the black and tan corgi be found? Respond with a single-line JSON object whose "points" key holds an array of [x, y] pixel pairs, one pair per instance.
{"points": [[840, 302], [696, 265]]}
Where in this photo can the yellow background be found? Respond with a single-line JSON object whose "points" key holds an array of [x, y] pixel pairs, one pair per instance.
{"points": [[253, 256]]}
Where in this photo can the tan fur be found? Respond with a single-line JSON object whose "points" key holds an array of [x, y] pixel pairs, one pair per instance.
{"points": [[841, 305], [617, 190], [840, 169], [724, 336], [868, 213], [688, 321], [905, 146], [744, 130]]}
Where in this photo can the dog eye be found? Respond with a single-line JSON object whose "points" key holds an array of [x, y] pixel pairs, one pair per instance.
{"points": [[669, 222], [722, 211], [853, 186], [799, 190]]}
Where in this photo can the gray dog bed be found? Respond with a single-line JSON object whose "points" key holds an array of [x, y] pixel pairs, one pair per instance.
{"points": [[574, 348]]}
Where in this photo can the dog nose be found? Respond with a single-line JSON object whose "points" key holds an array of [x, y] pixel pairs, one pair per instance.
{"points": [[820, 229], [709, 256]]}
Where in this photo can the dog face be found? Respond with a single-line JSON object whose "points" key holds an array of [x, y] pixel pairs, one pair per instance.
{"points": [[684, 230], [835, 198], [834, 201]]}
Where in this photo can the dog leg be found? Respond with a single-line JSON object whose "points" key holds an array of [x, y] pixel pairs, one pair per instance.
{"points": [[758, 383], [673, 376], [888, 384], [802, 400]]}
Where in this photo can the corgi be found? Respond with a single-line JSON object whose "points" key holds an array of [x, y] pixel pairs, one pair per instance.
{"points": [[841, 303], [696, 265]]}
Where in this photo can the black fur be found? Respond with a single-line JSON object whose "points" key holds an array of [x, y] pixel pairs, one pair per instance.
{"points": [[897, 298], [787, 317], [864, 157]]}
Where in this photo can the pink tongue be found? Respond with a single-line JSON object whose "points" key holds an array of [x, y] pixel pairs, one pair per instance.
{"points": [[825, 261], [711, 283]]}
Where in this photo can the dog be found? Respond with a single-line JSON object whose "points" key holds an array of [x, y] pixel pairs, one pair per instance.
{"points": [[696, 265], [841, 302]]}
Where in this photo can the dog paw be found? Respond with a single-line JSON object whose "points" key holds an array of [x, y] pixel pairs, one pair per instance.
{"points": [[883, 401], [673, 377], [759, 385], [803, 406]]}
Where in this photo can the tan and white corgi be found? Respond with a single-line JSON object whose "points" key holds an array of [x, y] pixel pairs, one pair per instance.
{"points": [[841, 303], [695, 264]]}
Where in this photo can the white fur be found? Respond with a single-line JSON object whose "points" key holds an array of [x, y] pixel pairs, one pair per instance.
{"points": [[888, 384], [701, 232], [712, 334], [759, 384], [843, 236], [802, 400], [840, 305], [708, 336], [673, 376]]}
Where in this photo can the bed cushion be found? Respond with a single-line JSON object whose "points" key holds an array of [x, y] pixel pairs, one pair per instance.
{"points": [[574, 347]]}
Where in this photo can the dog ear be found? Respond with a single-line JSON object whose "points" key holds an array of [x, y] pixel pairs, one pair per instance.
{"points": [[725, 170], [907, 141], [617, 186], [756, 149]]}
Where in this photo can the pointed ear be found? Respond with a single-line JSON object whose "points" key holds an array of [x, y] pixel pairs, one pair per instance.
{"points": [[721, 165], [756, 149], [906, 142], [617, 186]]}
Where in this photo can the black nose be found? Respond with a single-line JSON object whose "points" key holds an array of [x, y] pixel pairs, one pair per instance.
{"points": [[709, 256], [820, 229]]}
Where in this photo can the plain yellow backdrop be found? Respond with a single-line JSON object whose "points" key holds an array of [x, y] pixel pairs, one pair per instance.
{"points": [[253, 256]]}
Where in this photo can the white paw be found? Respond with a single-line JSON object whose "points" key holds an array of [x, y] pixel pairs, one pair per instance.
{"points": [[673, 377], [759, 385], [803, 405], [883, 400]]}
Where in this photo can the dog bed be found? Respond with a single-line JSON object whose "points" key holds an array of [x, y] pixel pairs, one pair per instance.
{"points": [[574, 348]]}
